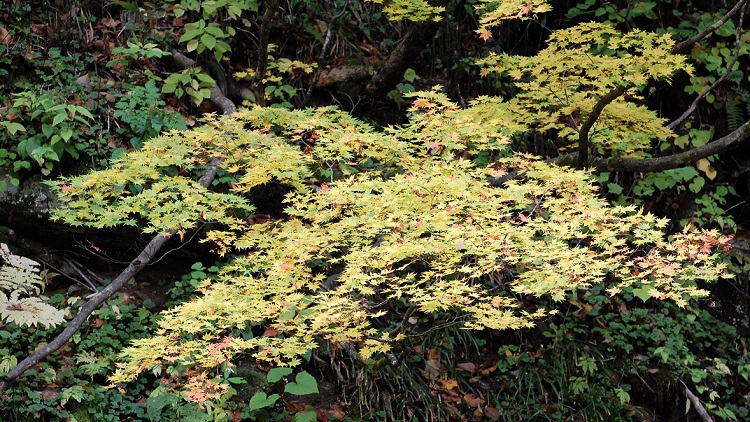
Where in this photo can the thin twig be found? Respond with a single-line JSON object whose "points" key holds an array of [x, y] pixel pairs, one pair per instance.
{"points": [[323, 55], [260, 70], [696, 402]]}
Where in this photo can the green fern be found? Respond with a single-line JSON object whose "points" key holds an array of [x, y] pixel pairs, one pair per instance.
{"points": [[735, 114]]}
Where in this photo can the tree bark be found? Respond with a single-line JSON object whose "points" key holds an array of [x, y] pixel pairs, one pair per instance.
{"points": [[218, 99], [391, 72]]}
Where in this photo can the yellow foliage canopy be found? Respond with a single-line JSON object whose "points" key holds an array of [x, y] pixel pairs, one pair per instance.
{"points": [[401, 218]]}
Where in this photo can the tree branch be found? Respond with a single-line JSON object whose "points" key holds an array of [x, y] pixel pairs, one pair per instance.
{"points": [[684, 45], [260, 70], [645, 165], [694, 105], [670, 161], [391, 72], [218, 99], [135, 266], [696, 402], [583, 134]]}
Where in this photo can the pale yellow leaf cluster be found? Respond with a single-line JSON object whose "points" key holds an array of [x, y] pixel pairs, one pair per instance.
{"points": [[494, 12], [409, 228], [381, 221], [562, 84], [412, 10]]}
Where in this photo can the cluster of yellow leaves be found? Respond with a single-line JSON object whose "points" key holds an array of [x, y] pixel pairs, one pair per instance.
{"points": [[383, 220], [413, 10], [495, 12], [419, 229], [562, 84]]}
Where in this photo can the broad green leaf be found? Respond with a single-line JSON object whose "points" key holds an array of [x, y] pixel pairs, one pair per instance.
{"points": [[276, 374], [260, 400], [305, 384]]}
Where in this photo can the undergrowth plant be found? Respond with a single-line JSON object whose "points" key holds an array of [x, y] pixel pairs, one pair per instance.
{"points": [[21, 285], [70, 383], [590, 361]]}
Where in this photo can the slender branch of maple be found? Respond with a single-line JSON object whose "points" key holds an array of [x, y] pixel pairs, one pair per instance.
{"points": [[583, 135], [673, 161], [723, 77], [684, 45], [644, 165], [135, 266]]}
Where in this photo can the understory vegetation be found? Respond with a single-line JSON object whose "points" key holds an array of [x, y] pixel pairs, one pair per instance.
{"points": [[514, 210]]}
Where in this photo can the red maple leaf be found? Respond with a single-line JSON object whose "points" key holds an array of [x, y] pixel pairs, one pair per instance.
{"points": [[525, 10]]}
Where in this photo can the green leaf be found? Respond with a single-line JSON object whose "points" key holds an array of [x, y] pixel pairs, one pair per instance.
{"points": [[66, 134], [84, 112], [205, 79], [697, 184], [260, 400], [643, 292], [191, 35], [192, 45], [276, 374], [410, 75], [14, 127], [614, 188], [305, 416], [305, 384], [74, 392], [209, 41], [215, 31], [664, 181], [59, 118]]}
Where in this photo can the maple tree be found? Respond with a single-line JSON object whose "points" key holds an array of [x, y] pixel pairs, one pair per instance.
{"points": [[400, 217], [383, 225]]}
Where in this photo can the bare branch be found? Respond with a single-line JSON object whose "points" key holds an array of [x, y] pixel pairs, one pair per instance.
{"points": [[684, 45], [696, 402], [671, 161], [260, 71], [645, 165], [703, 93]]}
